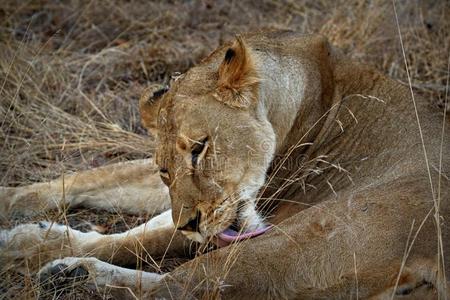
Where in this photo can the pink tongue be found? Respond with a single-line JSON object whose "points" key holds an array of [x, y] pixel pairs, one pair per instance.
{"points": [[229, 235]]}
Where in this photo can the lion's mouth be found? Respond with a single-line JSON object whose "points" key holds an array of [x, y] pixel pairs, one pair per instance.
{"points": [[247, 224], [233, 234]]}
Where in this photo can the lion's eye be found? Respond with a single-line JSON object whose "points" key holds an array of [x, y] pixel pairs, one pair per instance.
{"points": [[198, 150], [164, 174]]}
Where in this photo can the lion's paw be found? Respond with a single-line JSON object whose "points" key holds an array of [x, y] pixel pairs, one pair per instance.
{"points": [[94, 273], [31, 245], [6, 194], [22, 202], [60, 274]]}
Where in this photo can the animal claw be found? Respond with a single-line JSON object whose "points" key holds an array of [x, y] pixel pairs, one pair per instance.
{"points": [[42, 225], [59, 276]]}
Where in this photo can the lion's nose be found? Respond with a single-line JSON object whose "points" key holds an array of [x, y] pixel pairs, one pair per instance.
{"points": [[192, 224]]}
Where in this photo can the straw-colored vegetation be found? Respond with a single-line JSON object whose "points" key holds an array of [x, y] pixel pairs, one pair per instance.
{"points": [[71, 73]]}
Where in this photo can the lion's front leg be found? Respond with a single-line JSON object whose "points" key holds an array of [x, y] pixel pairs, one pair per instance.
{"points": [[98, 275], [32, 245], [132, 187]]}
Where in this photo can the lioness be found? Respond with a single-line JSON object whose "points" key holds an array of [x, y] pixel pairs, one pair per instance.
{"points": [[326, 177]]}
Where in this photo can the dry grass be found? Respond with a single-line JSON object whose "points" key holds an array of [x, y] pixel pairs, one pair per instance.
{"points": [[71, 74]]}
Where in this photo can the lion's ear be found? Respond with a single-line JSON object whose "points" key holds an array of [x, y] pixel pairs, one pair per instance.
{"points": [[149, 106], [238, 78]]}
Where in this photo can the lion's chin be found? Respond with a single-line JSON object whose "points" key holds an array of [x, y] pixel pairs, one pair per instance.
{"points": [[194, 236]]}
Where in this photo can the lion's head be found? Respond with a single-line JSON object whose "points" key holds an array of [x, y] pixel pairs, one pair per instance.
{"points": [[214, 145]]}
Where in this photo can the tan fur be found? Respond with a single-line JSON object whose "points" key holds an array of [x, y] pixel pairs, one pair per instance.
{"points": [[133, 186], [148, 106], [238, 76], [328, 149]]}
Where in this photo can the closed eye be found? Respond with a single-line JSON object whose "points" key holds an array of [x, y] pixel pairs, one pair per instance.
{"points": [[198, 150], [164, 174]]}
